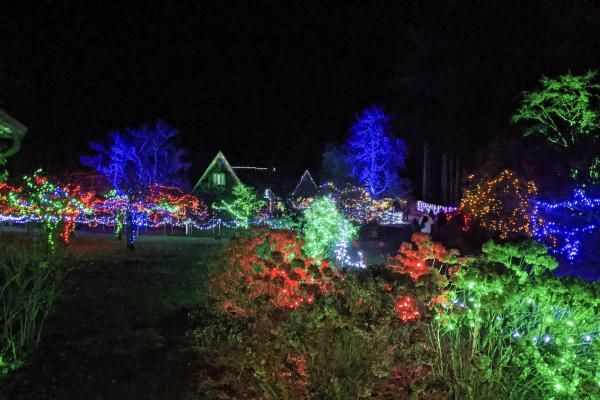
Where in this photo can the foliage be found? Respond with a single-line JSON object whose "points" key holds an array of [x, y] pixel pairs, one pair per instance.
{"points": [[170, 205], [424, 257], [5, 132], [136, 159], [498, 326], [354, 202], [514, 331], [335, 165], [501, 205], [375, 156], [3, 174], [269, 266], [243, 207], [29, 286], [351, 341], [563, 110], [57, 207], [323, 227]]}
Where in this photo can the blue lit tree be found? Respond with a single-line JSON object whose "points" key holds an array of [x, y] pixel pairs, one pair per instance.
{"points": [[570, 227], [375, 155], [135, 159]]}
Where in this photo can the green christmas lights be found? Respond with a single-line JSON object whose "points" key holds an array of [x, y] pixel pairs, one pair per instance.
{"points": [[55, 206], [323, 226], [243, 207]]}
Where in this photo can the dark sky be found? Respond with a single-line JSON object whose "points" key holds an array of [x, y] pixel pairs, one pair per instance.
{"points": [[270, 83]]}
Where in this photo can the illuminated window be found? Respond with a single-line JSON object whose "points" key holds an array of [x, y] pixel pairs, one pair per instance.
{"points": [[218, 179]]}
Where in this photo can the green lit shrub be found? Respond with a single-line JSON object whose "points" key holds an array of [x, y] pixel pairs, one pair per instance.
{"points": [[29, 286], [323, 227], [244, 205], [515, 331]]}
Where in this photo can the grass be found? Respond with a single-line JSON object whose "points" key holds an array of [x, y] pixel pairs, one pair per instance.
{"points": [[118, 331]]}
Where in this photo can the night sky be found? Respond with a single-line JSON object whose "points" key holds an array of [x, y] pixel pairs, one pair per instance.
{"points": [[270, 83]]}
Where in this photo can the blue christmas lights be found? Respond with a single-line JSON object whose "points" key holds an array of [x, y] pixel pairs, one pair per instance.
{"points": [[563, 224]]}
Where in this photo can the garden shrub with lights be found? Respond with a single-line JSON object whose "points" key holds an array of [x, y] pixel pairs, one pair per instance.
{"points": [[289, 326], [428, 324], [512, 330]]}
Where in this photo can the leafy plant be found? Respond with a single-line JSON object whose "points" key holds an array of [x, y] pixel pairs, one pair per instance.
{"points": [[243, 207], [515, 331], [269, 266], [29, 287], [563, 110]]}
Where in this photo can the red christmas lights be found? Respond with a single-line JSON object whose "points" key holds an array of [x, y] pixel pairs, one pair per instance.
{"points": [[405, 309]]}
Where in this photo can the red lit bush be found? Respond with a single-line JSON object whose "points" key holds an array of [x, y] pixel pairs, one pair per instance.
{"points": [[270, 266], [364, 335], [405, 309], [422, 257], [428, 265]]}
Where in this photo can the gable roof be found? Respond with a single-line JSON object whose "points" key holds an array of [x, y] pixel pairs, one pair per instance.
{"points": [[219, 159], [15, 127], [306, 187]]}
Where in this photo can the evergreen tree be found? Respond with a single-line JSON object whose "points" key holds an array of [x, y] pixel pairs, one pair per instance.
{"points": [[374, 154]]}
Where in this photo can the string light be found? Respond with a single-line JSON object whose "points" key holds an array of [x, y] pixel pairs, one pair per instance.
{"points": [[562, 224], [53, 205], [341, 254], [243, 206], [502, 204], [405, 309], [392, 218], [425, 207], [323, 228]]}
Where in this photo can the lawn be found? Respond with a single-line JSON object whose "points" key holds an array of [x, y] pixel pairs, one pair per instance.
{"points": [[119, 329]]}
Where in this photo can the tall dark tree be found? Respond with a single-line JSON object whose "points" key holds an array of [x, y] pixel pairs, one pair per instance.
{"points": [[335, 166], [135, 159]]}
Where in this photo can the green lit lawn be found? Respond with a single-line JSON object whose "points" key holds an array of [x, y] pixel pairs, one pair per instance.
{"points": [[119, 330]]}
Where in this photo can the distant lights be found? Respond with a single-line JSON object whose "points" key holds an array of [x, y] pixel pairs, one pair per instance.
{"points": [[425, 207]]}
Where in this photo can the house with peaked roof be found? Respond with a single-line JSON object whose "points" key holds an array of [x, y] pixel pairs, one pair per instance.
{"points": [[304, 193], [218, 180], [306, 187]]}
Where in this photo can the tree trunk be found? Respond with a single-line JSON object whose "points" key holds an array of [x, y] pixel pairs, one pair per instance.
{"points": [[425, 192], [131, 230], [444, 178]]}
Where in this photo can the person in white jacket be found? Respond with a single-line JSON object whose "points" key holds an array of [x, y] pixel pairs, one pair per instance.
{"points": [[426, 222]]}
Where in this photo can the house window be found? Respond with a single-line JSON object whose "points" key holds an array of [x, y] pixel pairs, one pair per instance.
{"points": [[218, 179]]}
